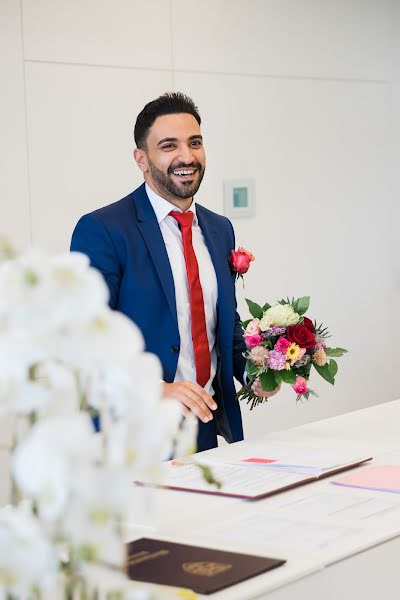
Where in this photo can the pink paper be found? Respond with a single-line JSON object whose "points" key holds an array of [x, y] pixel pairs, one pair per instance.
{"points": [[262, 461], [382, 478]]}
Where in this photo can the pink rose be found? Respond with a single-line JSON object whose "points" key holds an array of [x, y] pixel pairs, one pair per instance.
{"points": [[300, 387], [253, 340], [253, 327], [282, 345], [240, 260]]}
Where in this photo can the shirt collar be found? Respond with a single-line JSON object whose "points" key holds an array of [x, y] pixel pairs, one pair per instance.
{"points": [[162, 207]]}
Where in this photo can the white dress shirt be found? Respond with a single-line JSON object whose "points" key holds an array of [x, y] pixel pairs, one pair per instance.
{"points": [[186, 370]]}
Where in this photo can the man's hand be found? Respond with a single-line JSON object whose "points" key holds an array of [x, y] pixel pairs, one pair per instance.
{"points": [[192, 397], [257, 389]]}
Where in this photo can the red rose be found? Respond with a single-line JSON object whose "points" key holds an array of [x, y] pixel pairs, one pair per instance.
{"points": [[299, 334], [309, 324], [240, 260]]}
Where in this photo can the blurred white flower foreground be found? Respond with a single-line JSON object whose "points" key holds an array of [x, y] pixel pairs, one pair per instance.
{"points": [[65, 358]]}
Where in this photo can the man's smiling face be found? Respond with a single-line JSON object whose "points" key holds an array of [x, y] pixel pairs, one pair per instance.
{"points": [[173, 161]]}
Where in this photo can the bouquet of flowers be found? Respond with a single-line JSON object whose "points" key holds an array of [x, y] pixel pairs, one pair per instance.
{"points": [[282, 346]]}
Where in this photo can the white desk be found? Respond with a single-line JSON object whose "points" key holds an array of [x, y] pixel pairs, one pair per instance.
{"points": [[362, 563]]}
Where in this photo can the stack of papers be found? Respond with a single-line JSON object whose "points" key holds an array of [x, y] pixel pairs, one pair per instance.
{"points": [[384, 478], [269, 469], [295, 458]]}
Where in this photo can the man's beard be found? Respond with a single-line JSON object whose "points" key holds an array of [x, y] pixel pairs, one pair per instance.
{"points": [[164, 182]]}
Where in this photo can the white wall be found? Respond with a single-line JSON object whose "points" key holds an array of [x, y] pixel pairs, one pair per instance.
{"points": [[301, 95]]}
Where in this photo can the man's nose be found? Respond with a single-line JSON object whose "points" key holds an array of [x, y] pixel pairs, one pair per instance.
{"points": [[185, 154]]}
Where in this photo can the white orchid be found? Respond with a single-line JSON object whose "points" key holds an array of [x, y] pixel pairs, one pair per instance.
{"points": [[80, 290], [22, 397], [61, 382], [121, 388], [41, 294], [43, 463], [27, 558], [21, 289], [20, 391], [107, 337], [98, 503], [63, 350], [184, 436]]}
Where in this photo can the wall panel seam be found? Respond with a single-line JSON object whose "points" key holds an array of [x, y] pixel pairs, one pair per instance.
{"points": [[171, 33], [28, 169], [286, 77]]}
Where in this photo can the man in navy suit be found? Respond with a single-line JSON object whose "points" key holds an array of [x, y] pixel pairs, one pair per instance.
{"points": [[139, 248]]}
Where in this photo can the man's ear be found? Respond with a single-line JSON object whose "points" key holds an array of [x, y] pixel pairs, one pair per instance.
{"points": [[141, 159]]}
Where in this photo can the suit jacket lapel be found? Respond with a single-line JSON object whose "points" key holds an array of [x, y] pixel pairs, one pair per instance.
{"points": [[150, 230]]}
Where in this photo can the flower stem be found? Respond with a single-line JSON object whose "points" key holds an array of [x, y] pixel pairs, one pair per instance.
{"points": [[14, 492], [69, 590], [246, 393]]}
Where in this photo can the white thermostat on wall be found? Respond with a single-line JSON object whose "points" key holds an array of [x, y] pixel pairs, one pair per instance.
{"points": [[239, 200]]}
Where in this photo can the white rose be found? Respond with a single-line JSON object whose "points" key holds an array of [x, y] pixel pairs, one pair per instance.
{"points": [[282, 315], [265, 322]]}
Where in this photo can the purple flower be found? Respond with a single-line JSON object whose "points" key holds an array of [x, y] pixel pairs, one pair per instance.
{"points": [[274, 330], [277, 360]]}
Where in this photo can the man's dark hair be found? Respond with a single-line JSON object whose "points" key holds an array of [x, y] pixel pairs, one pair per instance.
{"points": [[167, 104]]}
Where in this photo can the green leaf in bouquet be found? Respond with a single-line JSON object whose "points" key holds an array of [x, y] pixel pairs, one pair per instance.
{"points": [[302, 304], [245, 323], [321, 330], [333, 368], [287, 301], [303, 371], [288, 376], [335, 351], [266, 307], [251, 370], [325, 372], [255, 309], [268, 382]]}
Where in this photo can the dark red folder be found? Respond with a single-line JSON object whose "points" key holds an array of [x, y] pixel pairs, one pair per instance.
{"points": [[203, 570]]}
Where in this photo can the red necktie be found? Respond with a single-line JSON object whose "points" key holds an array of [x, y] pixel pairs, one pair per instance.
{"points": [[199, 330]]}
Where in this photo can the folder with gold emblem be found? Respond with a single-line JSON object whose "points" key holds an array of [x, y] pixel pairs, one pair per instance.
{"points": [[203, 570]]}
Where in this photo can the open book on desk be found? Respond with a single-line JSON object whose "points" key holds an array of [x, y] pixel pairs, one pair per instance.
{"points": [[275, 468]]}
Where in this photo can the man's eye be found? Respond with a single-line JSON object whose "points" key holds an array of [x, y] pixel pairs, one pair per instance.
{"points": [[167, 146], [196, 143]]}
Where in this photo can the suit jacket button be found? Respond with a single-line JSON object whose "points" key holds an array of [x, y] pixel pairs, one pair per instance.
{"points": [[174, 348]]}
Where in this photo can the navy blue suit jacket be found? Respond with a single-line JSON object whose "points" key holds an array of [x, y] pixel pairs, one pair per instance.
{"points": [[124, 242]]}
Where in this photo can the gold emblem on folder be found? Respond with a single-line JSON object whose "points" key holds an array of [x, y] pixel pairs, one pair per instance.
{"points": [[206, 568]]}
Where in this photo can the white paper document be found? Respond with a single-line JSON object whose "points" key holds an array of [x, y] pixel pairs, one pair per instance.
{"points": [[265, 528], [338, 507], [309, 520], [265, 469], [296, 457], [236, 480]]}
